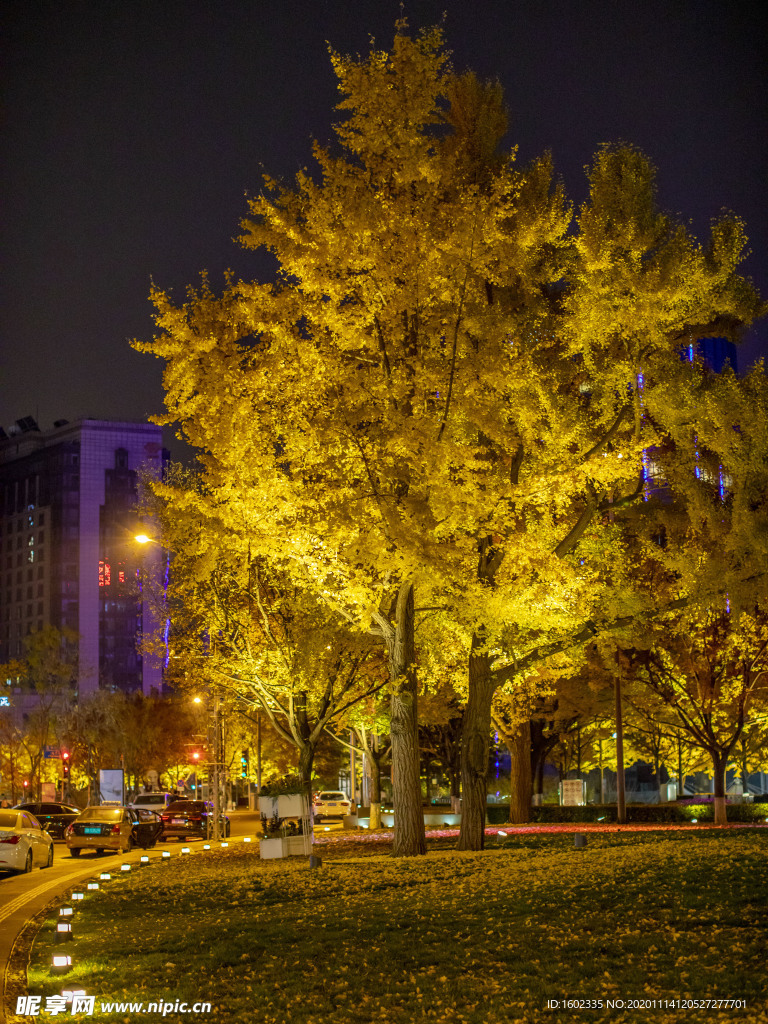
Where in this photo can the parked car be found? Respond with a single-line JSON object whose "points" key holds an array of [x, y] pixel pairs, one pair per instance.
{"points": [[332, 803], [24, 843], [184, 818], [53, 817], [113, 828], [151, 802]]}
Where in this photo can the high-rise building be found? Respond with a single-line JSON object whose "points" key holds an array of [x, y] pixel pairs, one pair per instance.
{"points": [[68, 556]]}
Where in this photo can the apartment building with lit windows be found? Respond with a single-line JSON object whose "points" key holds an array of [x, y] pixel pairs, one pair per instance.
{"points": [[68, 557]]}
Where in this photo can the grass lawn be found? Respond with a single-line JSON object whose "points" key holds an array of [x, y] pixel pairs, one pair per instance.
{"points": [[483, 938]]}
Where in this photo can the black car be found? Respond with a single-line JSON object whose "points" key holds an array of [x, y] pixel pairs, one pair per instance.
{"points": [[191, 818], [53, 817]]}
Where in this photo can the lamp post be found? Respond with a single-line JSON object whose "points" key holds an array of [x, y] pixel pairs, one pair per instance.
{"points": [[215, 765]]}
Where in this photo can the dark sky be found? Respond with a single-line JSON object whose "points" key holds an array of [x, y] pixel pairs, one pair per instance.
{"points": [[132, 129]]}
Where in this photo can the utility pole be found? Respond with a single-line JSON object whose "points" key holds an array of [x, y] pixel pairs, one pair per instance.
{"points": [[216, 766], [621, 806]]}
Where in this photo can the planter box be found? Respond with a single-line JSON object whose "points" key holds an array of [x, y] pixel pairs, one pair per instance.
{"points": [[268, 806], [295, 846], [270, 848], [291, 805], [287, 846]]}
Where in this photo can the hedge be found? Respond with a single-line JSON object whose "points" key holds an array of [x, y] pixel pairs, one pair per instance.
{"points": [[552, 813]]}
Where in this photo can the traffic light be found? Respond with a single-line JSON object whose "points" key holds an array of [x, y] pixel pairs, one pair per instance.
{"points": [[244, 765], [65, 763]]}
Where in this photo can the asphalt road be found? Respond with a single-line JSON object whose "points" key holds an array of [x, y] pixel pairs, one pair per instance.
{"points": [[24, 896]]}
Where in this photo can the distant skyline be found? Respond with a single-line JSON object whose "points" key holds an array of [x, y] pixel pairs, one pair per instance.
{"points": [[131, 133]]}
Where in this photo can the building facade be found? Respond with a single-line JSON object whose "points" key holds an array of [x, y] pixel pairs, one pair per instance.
{"points": [[68, 557]]}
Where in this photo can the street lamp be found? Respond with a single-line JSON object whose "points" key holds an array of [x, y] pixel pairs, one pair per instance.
{"points": [[215, 766]]}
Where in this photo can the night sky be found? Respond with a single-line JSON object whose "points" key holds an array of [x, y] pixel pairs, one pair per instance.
{"points": [[132, 130]]}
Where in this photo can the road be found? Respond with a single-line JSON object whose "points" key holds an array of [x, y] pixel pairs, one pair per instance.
{"points": [[24, 896]]}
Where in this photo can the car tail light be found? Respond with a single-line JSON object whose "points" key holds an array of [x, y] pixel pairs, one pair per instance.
{"points": [[11, 840], [69, 830], [115, 830]]}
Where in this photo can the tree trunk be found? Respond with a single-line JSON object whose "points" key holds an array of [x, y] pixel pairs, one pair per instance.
{"points": [[455, 774], [719, 762], [375, 821], [409, 837], [306, 759], [475, 743], [520, 781]]}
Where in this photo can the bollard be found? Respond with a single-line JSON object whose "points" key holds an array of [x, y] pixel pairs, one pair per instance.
{"points": [[579, 841], [315, 862]]}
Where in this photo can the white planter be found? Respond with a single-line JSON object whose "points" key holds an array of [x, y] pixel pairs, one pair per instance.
{"points": [[291, 805], [271, 848], [268, 806], [294, 846]]}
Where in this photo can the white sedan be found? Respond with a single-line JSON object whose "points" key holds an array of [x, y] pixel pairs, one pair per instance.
{"points": [[23, 842]]}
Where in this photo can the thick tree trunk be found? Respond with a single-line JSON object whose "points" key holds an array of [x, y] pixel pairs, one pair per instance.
{"points": [[409, 837], [306, 760], [719, 762], [520, 781], [475, 743], [375, 821]]}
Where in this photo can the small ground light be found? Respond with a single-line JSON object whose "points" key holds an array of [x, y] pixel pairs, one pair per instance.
{"points": [[92, 886], [326, 829], [694, 821], [501, 833], [125, 867], [63, 931], [601, 819], [105, 876], [166, 855], [78, 895], [144, 859], [185, 849], [207, 846], [247, 839], [224, 845], [66, 911], [60, 963]]}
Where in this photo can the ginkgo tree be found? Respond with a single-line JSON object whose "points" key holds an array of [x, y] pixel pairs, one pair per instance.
{"points": [[710, 670], [446, 398]]}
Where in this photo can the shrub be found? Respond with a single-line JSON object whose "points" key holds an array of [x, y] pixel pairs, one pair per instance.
{"points": [[552, 814]]}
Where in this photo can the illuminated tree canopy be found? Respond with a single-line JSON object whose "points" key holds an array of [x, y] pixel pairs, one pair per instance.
{"points": [[448, 396]]}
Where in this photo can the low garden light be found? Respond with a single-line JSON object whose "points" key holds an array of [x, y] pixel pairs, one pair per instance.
{"points": [[223, 845], [144, 859], [125, 867], [185, 849], [78, 895], [66, 911], [61, 963], [105, 876], [63, 931], [166, 855], [247, 839], [93, 886], [207, 846]]}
